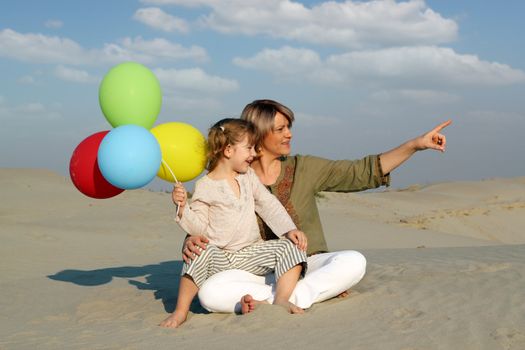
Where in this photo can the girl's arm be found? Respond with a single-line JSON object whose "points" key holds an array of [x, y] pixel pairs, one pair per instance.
{"points": [[193, 218], [269, 208]]}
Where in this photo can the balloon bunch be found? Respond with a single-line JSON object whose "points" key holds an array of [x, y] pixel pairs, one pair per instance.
{"points": [[130, 155]]}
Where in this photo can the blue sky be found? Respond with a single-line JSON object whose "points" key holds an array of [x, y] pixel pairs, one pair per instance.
{"points": [[362, 77]]}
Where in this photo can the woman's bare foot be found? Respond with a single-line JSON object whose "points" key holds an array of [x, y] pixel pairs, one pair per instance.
{"points": [[248, 304], [173, 321], [292, 308], [344, 294]]}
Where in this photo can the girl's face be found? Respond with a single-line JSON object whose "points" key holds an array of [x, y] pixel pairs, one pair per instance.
{"points": [[241, 155], [277, 142]]}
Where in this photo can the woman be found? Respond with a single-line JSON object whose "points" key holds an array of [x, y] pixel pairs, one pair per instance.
{"points": [[295, 180]]}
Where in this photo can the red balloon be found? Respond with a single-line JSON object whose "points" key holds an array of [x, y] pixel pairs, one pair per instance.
{"points": [[84, 171]]}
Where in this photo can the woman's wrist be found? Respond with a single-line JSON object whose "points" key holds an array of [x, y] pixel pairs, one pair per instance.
{"points": [[417, 144]]}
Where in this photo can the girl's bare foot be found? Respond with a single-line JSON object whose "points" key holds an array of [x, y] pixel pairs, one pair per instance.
{"points": [[248, 304], [173, 321], [292, 308]]}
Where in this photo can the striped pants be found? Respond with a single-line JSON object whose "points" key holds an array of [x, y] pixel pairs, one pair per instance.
{"points": [[278, 255]]}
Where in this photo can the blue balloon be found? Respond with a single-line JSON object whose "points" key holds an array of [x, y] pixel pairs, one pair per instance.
{"points": [[129, 157]]}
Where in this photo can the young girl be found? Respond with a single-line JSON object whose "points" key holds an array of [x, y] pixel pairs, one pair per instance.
{"points": [[223, 209]]}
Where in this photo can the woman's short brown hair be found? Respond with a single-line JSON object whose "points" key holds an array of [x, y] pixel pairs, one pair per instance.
{"points": [[261, 113]]}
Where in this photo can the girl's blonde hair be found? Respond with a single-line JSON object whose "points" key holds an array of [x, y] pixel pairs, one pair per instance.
{"points": [[226, 132]]}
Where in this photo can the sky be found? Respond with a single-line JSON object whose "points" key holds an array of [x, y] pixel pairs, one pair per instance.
{"points": [[361, 76]]}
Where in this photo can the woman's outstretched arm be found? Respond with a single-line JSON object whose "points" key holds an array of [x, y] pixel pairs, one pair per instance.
{"points": [[430, 140]]}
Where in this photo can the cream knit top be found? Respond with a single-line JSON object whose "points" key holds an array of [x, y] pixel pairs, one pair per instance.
{"points": [[229, 222]]}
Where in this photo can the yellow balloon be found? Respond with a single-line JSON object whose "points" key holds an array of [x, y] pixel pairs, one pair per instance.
{"points": [[183, 150]]}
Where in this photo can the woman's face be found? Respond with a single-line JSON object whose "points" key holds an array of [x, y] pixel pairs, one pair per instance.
{"points": [[277, 141]]}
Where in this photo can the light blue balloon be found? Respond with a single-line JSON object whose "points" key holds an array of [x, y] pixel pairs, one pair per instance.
{"points": [[129, 157]]}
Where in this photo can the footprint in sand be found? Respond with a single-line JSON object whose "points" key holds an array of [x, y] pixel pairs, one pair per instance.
{"points": [[405, 318], [509, 339], [42, 237], [484, 267]]}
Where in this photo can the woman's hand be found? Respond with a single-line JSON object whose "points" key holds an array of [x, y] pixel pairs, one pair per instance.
{"points": [[432, 139], [298, 238], [192, 246], [179, 196]]}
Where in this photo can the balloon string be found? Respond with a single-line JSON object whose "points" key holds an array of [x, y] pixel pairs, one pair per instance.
{"points": [[176, 181]]}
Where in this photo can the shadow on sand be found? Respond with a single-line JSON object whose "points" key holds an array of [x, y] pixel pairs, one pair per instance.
{"points": [[162, 278]]}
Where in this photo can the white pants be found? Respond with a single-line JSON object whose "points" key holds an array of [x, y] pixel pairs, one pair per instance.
{"points": [[328, 275]]}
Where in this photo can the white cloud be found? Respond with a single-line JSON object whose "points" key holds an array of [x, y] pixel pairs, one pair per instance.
{"points": [[26, 112], [287, 60], [194, 79], [495, 117], [190, 3], [191, 104], [424, 66], [54, 24], [165, 49], [39, 48], [158, 19], [27, 80], [75, 75], [293, 64], [307, 119], [349, 24], [415, 96]]}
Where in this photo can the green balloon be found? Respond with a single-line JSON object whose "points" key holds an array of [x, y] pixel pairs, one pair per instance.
{"points": [[130, 94]]}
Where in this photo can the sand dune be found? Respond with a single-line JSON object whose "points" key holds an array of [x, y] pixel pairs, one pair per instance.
{"points": [[446, 269]]}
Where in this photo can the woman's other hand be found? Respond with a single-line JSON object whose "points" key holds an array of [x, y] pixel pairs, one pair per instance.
{"points": [[298, 238], [193, 245]]}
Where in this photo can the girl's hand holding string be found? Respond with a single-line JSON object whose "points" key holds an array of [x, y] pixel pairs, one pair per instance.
{"points": [[179, 197], [298, 238]]}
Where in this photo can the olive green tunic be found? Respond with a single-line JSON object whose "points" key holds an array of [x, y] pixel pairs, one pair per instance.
{"points": [[302, 177]]}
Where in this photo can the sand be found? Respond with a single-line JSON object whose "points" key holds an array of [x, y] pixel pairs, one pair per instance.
{"points": [[446, 270]]}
